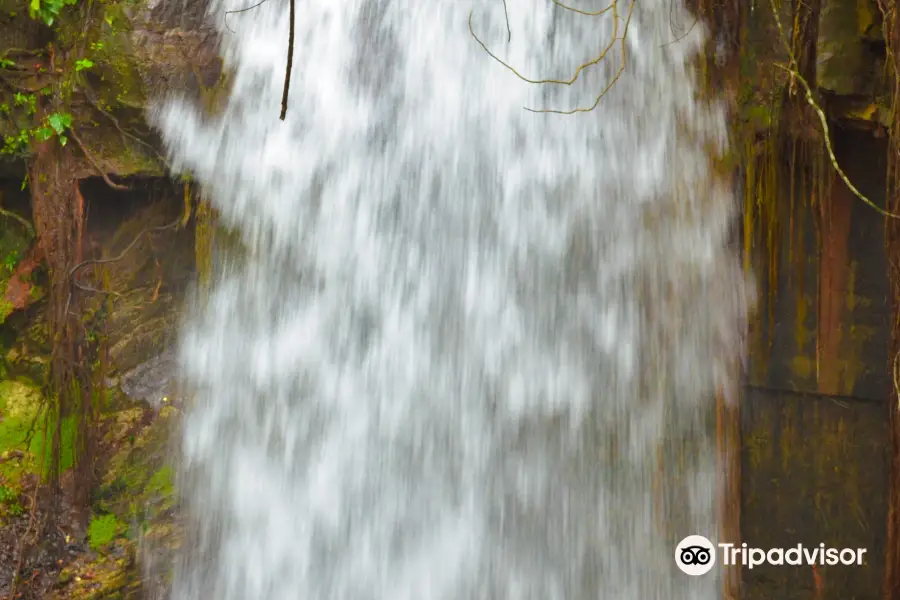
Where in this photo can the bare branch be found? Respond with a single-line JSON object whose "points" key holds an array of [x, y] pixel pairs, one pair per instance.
{"points": [[618, 72], [505, 14], [241, 10], [290, 60], [616, 37], [569, 81], [581, 12]]}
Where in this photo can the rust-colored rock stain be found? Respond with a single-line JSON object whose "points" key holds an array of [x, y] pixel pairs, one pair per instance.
{"points": [[833, 275]]}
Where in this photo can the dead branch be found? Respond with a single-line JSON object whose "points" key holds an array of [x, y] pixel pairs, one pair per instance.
{"points": [[506, 16], [581, 12], [290, 60], [615, 38], [240, 10], [94, 162]]}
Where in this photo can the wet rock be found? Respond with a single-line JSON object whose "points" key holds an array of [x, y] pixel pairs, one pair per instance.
{"points": [[153, 381]]}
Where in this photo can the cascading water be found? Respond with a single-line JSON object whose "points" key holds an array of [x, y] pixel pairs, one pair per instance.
{"points": [[471, 350]]}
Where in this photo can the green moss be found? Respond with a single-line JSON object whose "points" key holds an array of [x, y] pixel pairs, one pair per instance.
{"points": [[24, 430], [104, 529], [9, 502], [19, 407], [138, 483], [163, 482]]}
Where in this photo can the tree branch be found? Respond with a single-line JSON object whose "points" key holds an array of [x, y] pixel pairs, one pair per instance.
{"points": [[290, 60], [616, 38]]}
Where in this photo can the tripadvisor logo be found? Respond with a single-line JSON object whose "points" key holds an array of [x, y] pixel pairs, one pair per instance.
{"points": [[696, 555]]}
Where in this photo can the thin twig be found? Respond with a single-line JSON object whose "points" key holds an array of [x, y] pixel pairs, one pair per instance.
{"points": [[96, 165], [240, 10], [506, 14], [121, 255], [682, 36], [614, 78], [125, 133], [569, 81], [290, 60], [615, 37], [93, 290], [581, 12]]}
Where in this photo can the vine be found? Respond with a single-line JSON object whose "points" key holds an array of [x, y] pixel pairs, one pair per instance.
{"points": [[49, 96]]}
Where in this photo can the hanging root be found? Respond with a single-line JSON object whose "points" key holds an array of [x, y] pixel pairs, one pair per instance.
{"points": [[614, 7], [95, 164], [793, 72]]}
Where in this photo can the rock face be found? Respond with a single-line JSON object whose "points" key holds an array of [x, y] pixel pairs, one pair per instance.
{"points": [[851, 61], [174, 48], [148, 284], [169, 48], [155, 47]]}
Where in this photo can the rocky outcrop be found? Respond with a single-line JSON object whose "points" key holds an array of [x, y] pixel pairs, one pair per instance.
{"points": [[151, 49]]}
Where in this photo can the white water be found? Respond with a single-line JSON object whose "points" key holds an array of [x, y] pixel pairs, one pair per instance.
{"points": [[465, 332]]}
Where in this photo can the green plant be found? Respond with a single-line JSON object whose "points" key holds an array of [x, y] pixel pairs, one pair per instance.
{"points": [[102, 530], [9, 499], [28, 101], [47, 11], [11, 260], [57, 123], [53, 124]]}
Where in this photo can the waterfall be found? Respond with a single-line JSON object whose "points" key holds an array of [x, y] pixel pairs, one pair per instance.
{"points": [[470, 351]]}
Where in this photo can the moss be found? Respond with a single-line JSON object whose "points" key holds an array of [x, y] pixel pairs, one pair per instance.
{"points": [[27, 435], [103, 529], [163, 482], [139, 484], [138, 488], [205, 220]]}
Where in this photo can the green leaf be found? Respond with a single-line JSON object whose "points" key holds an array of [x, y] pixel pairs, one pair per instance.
{"points": [[60, 122], [84, 63], [42, 134], [63, 140]]}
